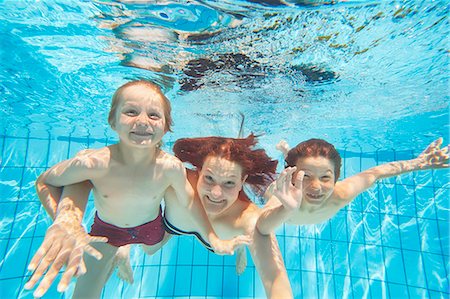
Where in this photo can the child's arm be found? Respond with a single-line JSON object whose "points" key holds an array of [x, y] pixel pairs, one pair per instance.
{"points": [[185, 195], [285, 199], [432, 157], [64, 243], [270, 266]]}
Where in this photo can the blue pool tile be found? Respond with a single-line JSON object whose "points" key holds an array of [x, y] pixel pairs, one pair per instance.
{"points": [[246, 282], [59, 152], [7, 217], [291, 230], [418, 292], [258, 287], [394, 266], [375, 262], [185, 250], [10, 179], [14, 153], [341, 258], [423, 178], [166, 281], [296, 282], [230, 260], [130, 290], [9, 288], [406, 201], [292, 260], [339, 227], [25, 220], [440, 178], [169, 252], [425, 202], [27, 186], [360, 287], [355, 227], [309, 284], [386, 198], [378, 289], [201, 254], [409, 233], [398, 290], [325, 286], [358, 262], [198, 286], [414, 267], [390, 235], [308, 257], [369, 201], [230, 282], [435, 271], [439, 295], [325, 252], [443, 204], [151, 278], [343, 287], [183, 280], [76, 147], [429, 232], [15, 264], [372, 232], [214, 283], [215, 260], [37, 153]]}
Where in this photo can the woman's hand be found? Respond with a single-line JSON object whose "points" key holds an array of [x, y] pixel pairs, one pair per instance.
{"points": [[228, 246], [64, 244]]}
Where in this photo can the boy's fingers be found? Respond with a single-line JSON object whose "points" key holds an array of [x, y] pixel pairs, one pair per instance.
{"points": [[93, 252]]}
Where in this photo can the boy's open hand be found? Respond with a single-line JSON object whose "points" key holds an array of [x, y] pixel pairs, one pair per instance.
{"points": [[64, 244], [290, 195], [434, 157]]}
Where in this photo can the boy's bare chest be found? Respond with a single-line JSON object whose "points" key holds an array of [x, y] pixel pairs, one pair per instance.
{"points": [[132, 183]]}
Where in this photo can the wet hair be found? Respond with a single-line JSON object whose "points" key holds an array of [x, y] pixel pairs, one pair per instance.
{"points": [[165, 102], [315, 148], [255, 163]]}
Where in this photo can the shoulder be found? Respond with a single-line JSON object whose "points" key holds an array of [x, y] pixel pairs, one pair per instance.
{"points": [[92, 158], [249, 216]]}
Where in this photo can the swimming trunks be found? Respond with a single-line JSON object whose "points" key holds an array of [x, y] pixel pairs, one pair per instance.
{"points": [[149, 233], [173, 230]]}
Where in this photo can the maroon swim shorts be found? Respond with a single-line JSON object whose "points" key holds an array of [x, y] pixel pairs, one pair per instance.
{"points": [[149, 233]]}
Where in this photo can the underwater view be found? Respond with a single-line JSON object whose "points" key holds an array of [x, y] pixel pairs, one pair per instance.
{"points": [[370, 77]]}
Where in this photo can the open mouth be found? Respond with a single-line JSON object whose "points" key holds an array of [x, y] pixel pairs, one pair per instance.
{"points": [[314, 196], [216, 201]]}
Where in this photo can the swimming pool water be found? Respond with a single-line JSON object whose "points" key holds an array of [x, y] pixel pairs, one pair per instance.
{"points": [[391, 242], [369, 76]]}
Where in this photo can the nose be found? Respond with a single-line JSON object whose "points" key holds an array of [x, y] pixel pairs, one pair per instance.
{"points": [[315, 184], [216, 191], [142, 120]]}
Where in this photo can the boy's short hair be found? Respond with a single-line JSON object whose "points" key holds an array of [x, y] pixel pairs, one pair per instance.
{"points": [[166, 103], [315, 148]]}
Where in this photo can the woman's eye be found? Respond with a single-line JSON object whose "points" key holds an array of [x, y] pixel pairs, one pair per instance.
{"points": [[154, 116], [326, 178], [208, 178], [230, 184]]}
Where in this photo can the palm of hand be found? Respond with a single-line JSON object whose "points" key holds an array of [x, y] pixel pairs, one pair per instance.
{"points": [[434, 156], [289, 195]]}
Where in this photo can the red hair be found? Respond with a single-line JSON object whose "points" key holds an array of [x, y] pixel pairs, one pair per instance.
{"points": [[255, 163], [315, 148]]}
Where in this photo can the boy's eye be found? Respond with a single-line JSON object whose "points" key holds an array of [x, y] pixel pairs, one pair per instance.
{"points": [[208, 179], [131, 112], [306, 176], [325, 178]]}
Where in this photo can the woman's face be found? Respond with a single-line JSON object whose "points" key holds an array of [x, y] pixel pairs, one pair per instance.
{"points": [[219, 183], [318, 182]]}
